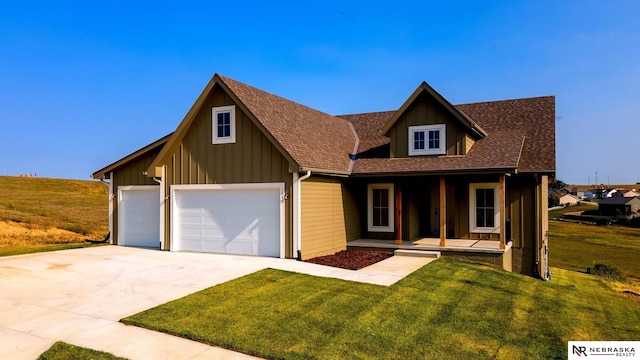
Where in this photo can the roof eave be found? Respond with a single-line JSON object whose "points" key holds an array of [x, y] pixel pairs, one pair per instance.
{"points": [[474, 171], [104, 172]]}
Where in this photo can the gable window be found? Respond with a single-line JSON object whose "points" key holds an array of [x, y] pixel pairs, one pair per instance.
{"points": [[380, 207], [427, 139], [484, 209], [224, 124]]}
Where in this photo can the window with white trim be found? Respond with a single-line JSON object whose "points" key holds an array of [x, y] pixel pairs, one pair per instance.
{"points": [[224, 124], [380, 207], [427, 140], [484, 207]]}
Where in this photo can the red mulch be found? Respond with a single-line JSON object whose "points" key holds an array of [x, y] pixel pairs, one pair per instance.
{"points": [[351, 259]]}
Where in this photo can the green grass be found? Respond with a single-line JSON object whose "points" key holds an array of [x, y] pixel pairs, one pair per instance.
{"points": [[576, 246], [447, 309], [45, 207], [64, 351], [557, 213], [15, 250]]}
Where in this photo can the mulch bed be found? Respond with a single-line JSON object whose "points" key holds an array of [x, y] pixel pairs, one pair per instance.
{"points": [[351, 259]]}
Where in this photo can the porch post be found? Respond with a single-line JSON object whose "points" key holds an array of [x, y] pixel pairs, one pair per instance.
{"points": [[503, 213], [398, 215], [443, 212]]}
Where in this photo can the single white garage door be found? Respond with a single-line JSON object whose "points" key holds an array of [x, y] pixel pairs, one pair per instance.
{"points": [[232, 219], [139, 216]]}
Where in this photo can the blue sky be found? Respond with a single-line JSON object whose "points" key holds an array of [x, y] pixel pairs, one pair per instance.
{"points": [[83, 84]]}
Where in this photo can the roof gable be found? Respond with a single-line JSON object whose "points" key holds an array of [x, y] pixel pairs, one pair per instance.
{"points": [[424, 88], [308, 138]]}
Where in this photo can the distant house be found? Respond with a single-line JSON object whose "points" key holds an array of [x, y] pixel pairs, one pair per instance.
{"points": [[590, 194], [599, 193], [630, 193], [616, 206], [568, 200]]}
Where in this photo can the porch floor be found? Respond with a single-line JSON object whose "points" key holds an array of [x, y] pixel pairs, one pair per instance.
{"points": [[433, 244]]}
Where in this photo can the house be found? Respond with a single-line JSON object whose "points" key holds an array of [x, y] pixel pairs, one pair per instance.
{"points": [[619, 206], [568, 200], [590, 194], [249, 172], [628, 193], [607, 193]]}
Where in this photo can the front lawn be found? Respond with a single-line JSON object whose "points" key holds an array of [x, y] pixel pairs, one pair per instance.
{"points": [[447, 309], [576, 246]]}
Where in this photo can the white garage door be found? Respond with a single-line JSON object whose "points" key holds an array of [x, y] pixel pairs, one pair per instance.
{"points": [[233, 219], [139, 216]]}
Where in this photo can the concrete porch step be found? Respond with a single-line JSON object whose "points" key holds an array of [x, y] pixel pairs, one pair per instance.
{"points": [[417, 253]]}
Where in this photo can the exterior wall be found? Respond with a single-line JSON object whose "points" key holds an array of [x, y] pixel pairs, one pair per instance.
{"points": [[631, 206], [527, 213], [468, 141], [521, 217], [494, 260], [251, 159], [542, 219], [568, 199], [329, 216], [130, 174], [426, 111]]}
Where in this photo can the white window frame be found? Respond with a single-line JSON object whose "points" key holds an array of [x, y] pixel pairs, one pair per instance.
{"points": [[370, 226], [231, 109], [425, 129], [472, 207]]}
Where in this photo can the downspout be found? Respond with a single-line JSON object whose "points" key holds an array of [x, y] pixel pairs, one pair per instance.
{"points": [[111, 197], [297, 223], [162, 201]]}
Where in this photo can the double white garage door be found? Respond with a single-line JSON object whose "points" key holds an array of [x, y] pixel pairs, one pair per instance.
{"points": [[242, 219]]}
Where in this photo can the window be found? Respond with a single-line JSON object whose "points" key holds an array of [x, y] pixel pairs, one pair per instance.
{"points": [[427, 140], [224, 124], [484, 207], [380, 207]]}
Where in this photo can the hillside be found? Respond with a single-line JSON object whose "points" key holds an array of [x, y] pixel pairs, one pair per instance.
{"points": [[40, 211]]}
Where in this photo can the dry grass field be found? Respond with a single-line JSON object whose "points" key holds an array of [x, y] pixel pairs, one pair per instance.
{"points": [[40, 213]]}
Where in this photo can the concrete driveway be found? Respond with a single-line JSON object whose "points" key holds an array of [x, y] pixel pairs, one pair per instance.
{"points": [[78, 296]]}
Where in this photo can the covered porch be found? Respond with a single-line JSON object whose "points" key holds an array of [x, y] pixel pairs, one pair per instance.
{"points": [[433, 244], [490, 252]]}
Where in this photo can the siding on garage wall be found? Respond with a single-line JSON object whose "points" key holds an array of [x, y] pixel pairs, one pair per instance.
{"points": [[129, 174], [251, 159], [426, 111], [329, 217]]}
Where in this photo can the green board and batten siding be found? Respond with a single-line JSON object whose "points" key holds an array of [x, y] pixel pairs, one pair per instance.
{"points": [[251, 159], [426, 111]]}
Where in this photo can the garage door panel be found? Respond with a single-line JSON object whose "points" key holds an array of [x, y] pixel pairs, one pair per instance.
{"points": [[139, 216], [223, 220]]}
